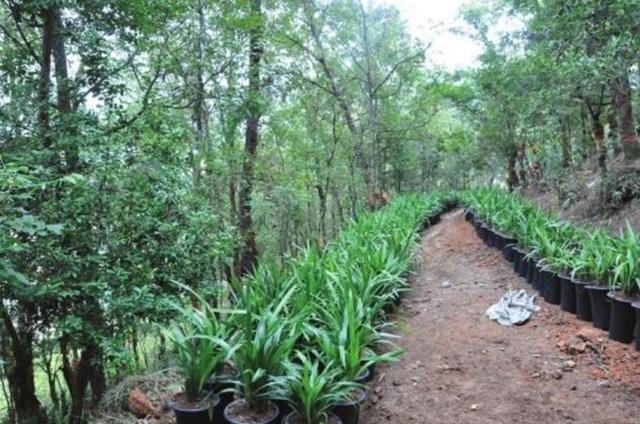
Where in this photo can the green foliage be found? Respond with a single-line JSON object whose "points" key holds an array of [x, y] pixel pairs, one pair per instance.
{"points": [[267, 338], [591, 255], [311, 390]]}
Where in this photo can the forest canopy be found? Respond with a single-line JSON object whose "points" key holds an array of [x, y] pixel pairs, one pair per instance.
{"points": [[148, 146]]}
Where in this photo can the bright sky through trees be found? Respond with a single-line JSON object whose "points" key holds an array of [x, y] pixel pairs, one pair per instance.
{"points": [[432, 22]]}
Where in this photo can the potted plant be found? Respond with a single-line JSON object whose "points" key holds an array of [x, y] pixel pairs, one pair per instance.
{"points": [[346, 339], [587, 269], [311, 392], [266, 341], [561, 260], [600, 258], [624, 284], [199, 351]]}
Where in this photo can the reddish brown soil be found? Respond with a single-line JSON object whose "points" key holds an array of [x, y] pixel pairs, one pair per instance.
{"points": [[460, 367]]}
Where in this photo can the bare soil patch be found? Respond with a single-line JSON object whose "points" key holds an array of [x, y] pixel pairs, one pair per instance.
{"points": [[460, 367]]}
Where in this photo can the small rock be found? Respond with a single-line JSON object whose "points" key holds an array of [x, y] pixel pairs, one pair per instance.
{"points": [[568, 365], [577, 348], [603, 383], [445, 284], [396, 383], [474, 407], [589, 334], [557, 374], [566, 415]]}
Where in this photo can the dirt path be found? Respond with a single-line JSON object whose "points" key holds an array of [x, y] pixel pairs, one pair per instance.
{"points": [[461, 368]]}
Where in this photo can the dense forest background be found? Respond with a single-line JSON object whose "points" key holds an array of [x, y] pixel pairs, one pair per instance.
{"points": [[148, 142]]}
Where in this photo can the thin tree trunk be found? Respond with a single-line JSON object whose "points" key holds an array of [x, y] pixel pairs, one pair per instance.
{"points": [[77, 374], [322, 197], [5, 390], [338, 203], [321, 58], [587, 141], [20, 372], [624, 109], [47, 364], [512, 176], [249, 248], [97, 379], [63, 86], [522, 153], [565, 140], [200, 112], [44, 83], [614, 132], [599, 137]]}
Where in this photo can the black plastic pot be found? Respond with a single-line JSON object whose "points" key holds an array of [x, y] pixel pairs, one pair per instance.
{"points": [[498, 240], [349, 411], [537, 276], [367, 376], [506, 241], [531, 271], [290, 418], [552, 290], [600, 306], [478, 226], [468, 215], [196, 415], [545, 276], [491, 237], [222, 383], [508, 252], [623, 319], [273, 418], [284, 407], [567, 294], [583, 304], [636, 309], [487, 236], [484, 234], [517, 257], [523, 266]]}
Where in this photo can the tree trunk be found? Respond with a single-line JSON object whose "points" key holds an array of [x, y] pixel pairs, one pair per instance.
{"points": [[624, 108], [63, 87], [522, 153], [587, 142], [614, 136], [512, 175], [249, 248], [322, 198], [321, 58], [98, 379], [77, 373], [565, 140], [599, 138], [20, 372], [601, 148], [200, 111], [44, 82]]}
